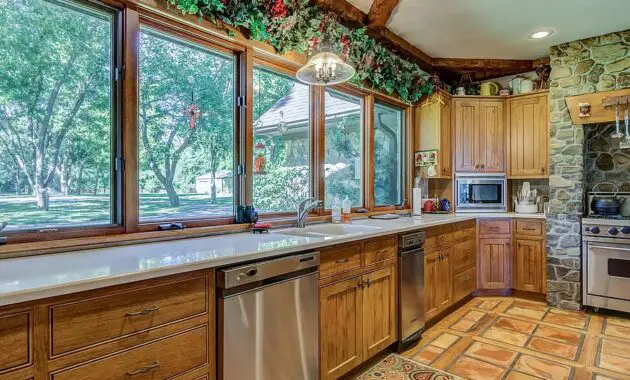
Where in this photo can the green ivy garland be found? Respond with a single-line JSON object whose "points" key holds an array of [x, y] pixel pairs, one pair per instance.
{"points": [[295, 25]]}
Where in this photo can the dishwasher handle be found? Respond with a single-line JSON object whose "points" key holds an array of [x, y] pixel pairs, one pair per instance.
{"points": [[229, 278]]}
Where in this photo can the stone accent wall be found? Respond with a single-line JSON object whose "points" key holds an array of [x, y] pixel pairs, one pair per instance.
{"points": [[580, 67], [605, 162]]}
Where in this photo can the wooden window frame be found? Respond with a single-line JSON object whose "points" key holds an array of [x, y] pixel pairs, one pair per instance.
{"points": [[406, 147], [280, 67], [129, 16], [117, 208], [202, 39]]}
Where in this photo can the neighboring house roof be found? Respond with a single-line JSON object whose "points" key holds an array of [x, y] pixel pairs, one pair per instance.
{"points": [[295, 108]]}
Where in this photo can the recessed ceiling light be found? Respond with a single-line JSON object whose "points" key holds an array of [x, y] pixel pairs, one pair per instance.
{"points": [[542, 34]]}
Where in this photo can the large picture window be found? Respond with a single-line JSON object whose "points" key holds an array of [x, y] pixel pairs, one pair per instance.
{"points": [[186, 130], [57, 115], [343, 149], [388, 155], [281, 141]]}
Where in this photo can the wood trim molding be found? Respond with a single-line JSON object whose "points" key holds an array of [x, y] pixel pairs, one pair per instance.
{"points": [[380, 12]]}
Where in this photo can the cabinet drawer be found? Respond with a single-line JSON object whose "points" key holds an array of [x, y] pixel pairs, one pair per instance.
{"points": [[464, 255], [339, 259], [464, 283], [494, 227], [465, 231], [439, 238], [379, 250], [163, 359], [80, 324], [530, 227], [15, 334]]}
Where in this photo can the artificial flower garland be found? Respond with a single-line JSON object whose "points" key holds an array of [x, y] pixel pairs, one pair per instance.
{"points": [[295, 25]]}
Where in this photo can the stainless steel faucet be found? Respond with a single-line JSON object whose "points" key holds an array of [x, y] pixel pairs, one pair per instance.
{"points": [[304, 207], [3, 239]]}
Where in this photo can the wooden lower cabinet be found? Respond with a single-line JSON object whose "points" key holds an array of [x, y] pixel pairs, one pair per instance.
{"points": [[357, 320], [495, 258], [341, 327], [528, 265], [438, 284]]}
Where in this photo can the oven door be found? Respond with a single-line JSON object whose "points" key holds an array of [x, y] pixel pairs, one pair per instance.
{"points": [[609, 270]]}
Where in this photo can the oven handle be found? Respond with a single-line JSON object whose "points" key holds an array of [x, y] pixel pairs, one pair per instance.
{"points": [[609, 247]]}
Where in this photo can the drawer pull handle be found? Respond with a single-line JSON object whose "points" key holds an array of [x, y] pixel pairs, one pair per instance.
{"points": [[467, 278], [341, 261], [145, 369], [146, 311], [529, 229], [381, 251]]}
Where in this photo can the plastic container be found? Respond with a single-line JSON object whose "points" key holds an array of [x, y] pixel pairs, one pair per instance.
{"points": [[347, 207], [336, 212]]}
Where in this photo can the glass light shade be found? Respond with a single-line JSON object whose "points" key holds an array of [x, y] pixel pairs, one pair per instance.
{"points": [[325, 68]]}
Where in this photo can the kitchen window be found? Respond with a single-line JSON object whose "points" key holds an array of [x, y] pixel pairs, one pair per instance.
{"points": [[389, 162], [186, 124], [343, 156], [59, 128], [282, 144]]}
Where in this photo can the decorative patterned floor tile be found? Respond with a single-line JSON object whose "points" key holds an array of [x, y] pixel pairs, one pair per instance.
{"points": [[566, 320], [515, 325], [563, 350], [542, 368], [506, 336], [553, 333], [615, 347], [514, 339], [428, 354], [476, 369], [527, 312], [492, 354], [445, 340], [618, 331]]}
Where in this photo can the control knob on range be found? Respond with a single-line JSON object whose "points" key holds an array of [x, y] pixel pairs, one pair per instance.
{"points": [[625, 230], [613, 231], [594, 230]]}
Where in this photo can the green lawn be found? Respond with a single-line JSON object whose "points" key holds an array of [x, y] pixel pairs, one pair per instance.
{"points": [[21, 211]]}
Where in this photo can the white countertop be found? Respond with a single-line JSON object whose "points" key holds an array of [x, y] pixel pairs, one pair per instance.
{"points": [[36, 277]]}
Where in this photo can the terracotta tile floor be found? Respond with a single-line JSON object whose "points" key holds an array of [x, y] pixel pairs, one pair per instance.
{"points": [[514, 339]]}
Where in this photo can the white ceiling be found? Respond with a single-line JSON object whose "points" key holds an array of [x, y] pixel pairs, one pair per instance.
{"points": [[501, 28]]}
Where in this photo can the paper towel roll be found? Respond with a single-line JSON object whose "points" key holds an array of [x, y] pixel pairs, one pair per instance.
{"points": [[417, 201]]}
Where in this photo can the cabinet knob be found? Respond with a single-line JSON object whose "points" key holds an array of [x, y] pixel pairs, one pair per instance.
{"points": [[360, 284]]}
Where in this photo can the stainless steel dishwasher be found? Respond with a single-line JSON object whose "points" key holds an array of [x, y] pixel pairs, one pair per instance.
{"points": [[411, 291], [269, 319]]}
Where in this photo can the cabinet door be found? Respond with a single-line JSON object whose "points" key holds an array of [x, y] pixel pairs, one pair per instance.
{"points": [[490, 137], [431, 308], [340, 328], [529, 137], [379, 310], [528, 267], [444, 279], [466, 128], [446, 140], [494, 263]]}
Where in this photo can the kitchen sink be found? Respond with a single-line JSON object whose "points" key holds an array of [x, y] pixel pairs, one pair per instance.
{"points": [[323, 230]]}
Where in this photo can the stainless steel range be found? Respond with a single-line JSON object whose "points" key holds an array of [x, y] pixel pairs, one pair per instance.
{"points": [[606, 262]]}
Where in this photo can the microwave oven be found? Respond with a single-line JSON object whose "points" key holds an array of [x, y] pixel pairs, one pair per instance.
{"points": [[480, 192]]}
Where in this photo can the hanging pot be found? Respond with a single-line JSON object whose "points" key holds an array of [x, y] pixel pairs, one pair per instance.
{"points": [[606, 205]]}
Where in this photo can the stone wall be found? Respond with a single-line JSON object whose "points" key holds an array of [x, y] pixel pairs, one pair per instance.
{"points": [[605, 162], [580, 67]]}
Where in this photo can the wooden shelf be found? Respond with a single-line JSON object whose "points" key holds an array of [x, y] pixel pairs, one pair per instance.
{"points": [[601, 110]]}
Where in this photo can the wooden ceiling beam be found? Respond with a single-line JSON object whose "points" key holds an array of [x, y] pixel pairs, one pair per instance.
{"points": [[380, 12]]}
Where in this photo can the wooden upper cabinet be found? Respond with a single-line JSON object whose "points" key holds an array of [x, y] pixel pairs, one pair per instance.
{"points": [[495, 257], [379, 311], [528, 136], [433, 130], [528, 265], [490, 138], [466, 115], [341, 329]]}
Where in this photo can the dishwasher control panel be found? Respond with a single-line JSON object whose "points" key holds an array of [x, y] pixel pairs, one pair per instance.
{"points": [[264, 270]]}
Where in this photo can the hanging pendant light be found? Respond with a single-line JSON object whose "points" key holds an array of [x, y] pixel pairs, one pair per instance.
{"points": [[325, 68]]}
